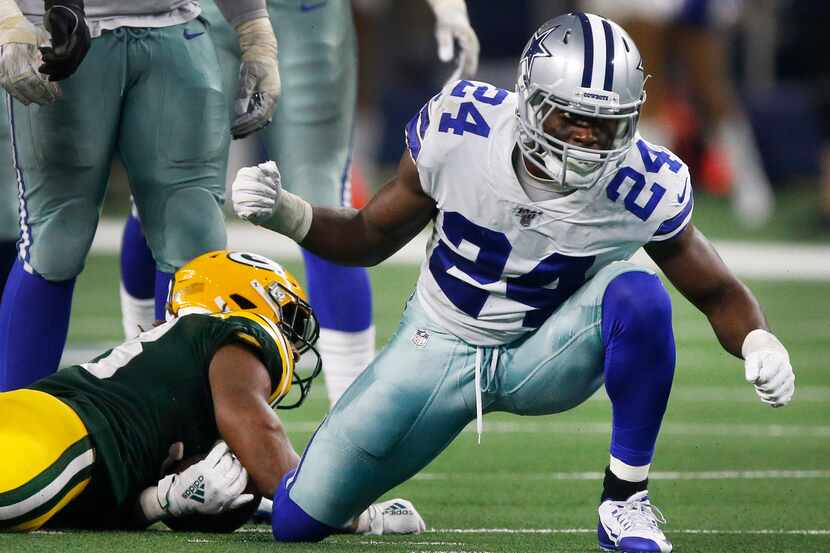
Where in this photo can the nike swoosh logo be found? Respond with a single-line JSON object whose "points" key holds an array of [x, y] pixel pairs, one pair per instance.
{"points": [[190, 36], [307, 7], [682, 197]]}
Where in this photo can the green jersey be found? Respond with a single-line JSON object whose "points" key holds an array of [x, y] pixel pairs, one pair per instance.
{"points": [[141, 397]]}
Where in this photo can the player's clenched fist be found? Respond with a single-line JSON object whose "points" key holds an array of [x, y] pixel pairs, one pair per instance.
{"points": [[256, 191], [211, 486], [768, 368], [258, 197], [20, 58]]}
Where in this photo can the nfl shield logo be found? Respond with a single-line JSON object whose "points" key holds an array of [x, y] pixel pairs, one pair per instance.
{"points": [[420, 338]]}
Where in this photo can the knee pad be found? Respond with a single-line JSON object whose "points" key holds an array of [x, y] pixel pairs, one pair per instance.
{"points": [[637, 304], [289, 523], [189, 223], [60, 242]]}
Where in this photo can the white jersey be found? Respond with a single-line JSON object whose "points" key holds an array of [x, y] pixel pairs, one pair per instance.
{"points": [[106, 15], [498, 264]]}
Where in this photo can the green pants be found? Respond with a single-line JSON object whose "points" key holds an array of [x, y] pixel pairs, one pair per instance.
{"points": [[310, 136], [155, 96]]}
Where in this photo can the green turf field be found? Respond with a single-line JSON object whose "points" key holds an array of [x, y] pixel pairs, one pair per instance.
{"points": [[730, 474]]}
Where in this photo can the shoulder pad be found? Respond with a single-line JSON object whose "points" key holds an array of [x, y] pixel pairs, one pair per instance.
{"points": [[279, 357]]}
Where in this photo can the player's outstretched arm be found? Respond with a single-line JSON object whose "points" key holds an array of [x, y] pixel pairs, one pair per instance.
{"points": [[240, 387], [347, 236], [698, 272]]}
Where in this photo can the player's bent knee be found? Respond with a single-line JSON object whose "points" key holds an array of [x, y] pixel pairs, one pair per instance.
{"points": [[635, 298], [57, 247], [289, 523], [192, 223]]}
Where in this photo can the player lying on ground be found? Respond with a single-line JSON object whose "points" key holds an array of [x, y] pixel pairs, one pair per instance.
{"points": [[85, 446], [525, 302]]}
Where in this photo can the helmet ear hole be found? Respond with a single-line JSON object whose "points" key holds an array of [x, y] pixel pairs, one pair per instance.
{"points": [[242, 301]]}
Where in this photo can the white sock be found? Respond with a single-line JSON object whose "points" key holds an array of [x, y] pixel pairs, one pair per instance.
{"points": [[137, 314], [627, 472], [345, 355]]}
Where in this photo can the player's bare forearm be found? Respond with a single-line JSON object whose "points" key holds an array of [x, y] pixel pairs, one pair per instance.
{"points": [[240, 386], [263, 449], [698, 272], [368, 236]]}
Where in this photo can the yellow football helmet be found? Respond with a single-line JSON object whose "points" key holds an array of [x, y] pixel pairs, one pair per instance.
{"points": [[224, 281]]}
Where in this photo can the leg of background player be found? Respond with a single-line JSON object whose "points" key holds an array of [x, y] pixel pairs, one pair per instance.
{"points": [[310, 140], [639, 368], [9, 217], [62, 152], [34, 321], [342, 299], [178, 194], [138, 280]]}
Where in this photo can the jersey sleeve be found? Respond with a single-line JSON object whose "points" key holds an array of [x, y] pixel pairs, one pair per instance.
{"points": [[432, 133], [419, 139], [677, 214], [259, 333]]}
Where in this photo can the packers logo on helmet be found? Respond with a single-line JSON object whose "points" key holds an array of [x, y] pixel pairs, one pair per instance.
{"points": [[225, 281]]}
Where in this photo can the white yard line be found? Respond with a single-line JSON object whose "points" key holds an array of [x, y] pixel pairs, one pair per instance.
{"points": [[763, 531], [760, 532], [810, 532], [669, 429], [655, 475], [720, 430], [763, 260]]}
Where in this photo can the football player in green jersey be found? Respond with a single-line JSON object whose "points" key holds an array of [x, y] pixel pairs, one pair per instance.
{"points": [[92, 438]]}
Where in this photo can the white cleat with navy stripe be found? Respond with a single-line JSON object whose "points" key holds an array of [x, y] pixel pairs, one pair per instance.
{"points": [[632, 526]]}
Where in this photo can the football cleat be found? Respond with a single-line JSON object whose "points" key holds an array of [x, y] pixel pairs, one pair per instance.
{"points": [[631, 526]]}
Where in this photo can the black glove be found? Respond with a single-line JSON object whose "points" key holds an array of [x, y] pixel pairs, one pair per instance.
{"points": [[64, 19]]}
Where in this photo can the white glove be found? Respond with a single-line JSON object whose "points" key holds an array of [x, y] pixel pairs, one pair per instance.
{"points": [[451, 24], [258, 197], [213, 485], [259, 77], [396, 516], [20, 58], [768, 368], [256, 191]]}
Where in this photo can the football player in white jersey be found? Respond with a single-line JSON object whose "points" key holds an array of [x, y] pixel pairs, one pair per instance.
{"points": [[526, 302]]}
